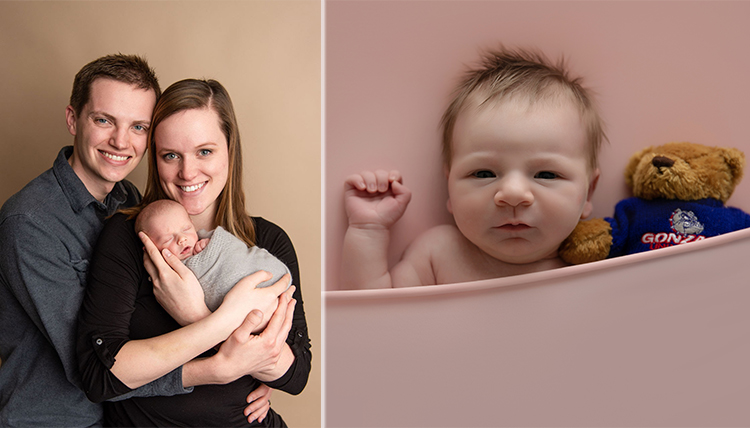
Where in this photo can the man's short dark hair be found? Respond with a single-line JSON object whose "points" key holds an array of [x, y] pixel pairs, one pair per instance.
{"points": [[131, 69]]}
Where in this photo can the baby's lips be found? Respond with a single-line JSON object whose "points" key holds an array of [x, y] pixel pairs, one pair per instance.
{"points": [[514, 227]]}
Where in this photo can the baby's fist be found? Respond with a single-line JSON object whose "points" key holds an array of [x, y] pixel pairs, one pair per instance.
{"points": [[375, 199]]}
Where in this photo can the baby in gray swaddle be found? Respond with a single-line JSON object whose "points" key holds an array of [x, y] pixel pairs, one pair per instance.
{"points": [[218, 262]]}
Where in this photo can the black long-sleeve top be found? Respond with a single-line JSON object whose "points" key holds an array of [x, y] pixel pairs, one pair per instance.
{"points": [[119, 306]]}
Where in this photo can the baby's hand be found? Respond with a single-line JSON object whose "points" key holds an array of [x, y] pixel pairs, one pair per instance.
{"points": [[375, 199], [200, 245]]}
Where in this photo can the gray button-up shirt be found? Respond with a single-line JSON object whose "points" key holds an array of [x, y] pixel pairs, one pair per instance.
{"points": [[47, 233]]}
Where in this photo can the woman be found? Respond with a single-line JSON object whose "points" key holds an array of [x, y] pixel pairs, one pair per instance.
{"points": [[130, 324]]}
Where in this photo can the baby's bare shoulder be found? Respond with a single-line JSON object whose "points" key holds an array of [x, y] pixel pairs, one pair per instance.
{"points": [[436, 238], [453, 258], [438, 242], [421, 258]]}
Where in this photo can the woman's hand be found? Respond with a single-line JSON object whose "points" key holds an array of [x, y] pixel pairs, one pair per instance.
{"points": [[265, 356], [260, 403], [244, 297], [175, 286]]}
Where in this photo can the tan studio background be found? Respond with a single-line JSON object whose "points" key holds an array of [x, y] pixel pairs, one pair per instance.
{"points": [[266, 53]]}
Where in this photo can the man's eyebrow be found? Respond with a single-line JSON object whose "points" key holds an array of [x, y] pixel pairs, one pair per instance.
{"points": [[106, 115], [144, 122], [109, 117]]}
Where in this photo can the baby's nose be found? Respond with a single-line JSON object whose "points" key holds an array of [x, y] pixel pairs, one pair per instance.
{"points": [[514, 191]]}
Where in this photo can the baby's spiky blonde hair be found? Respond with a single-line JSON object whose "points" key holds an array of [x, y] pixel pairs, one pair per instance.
{"points": [[506, 73]]}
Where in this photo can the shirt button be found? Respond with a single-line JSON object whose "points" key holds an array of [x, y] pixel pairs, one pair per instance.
{"points": [[99, 341], [299, 334]]}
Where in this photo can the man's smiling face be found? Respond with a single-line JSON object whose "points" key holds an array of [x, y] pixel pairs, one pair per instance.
{"points": [[110, 133]]}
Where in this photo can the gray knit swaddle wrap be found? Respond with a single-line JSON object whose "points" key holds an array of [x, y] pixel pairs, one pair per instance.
{"points": [[225, 261]]}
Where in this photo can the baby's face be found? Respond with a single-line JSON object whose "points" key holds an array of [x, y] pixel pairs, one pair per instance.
{"points": [[175, 232], [519, 181]]}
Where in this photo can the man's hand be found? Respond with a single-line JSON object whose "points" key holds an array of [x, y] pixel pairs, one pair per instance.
{"points": [[245, 353], [260, 403]]}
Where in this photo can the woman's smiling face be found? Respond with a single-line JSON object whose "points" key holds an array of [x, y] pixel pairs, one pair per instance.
{"points": [[192, 159]]}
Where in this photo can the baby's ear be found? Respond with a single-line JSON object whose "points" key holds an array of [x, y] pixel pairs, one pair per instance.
{"points": [[447, 171], [588, 207], [633, 164]]}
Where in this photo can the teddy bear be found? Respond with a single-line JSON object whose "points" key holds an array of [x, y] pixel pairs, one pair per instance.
{"points": [[679, 192]]}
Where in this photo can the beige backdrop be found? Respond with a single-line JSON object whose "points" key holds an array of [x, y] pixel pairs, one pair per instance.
{"points": [[266, 53]]}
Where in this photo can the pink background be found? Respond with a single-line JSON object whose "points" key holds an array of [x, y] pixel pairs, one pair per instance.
{"points": [[663, 71], [652, 339]]}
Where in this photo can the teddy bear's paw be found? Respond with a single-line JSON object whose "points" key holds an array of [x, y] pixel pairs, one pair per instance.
{"points": [[590, 241]]}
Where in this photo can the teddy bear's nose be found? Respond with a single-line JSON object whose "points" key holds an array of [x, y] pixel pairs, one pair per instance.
{"points": [[659, 161]]}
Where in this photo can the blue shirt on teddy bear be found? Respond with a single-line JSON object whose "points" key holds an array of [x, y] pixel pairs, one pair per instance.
{"points": [[641, 225]]}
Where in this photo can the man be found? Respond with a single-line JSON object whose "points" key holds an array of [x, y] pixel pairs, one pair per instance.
{"points": [[47, 233]]}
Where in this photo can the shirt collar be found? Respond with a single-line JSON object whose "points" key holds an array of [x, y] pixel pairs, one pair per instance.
{"points": [[75, 191]]}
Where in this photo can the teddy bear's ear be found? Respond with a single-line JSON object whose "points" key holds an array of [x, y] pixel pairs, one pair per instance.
{"points": [[735, 159], [633, 164]]}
